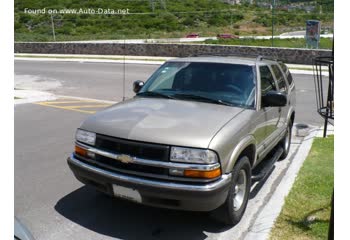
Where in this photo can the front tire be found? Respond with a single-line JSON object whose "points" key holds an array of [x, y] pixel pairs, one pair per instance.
{"points": [[236, 202]]}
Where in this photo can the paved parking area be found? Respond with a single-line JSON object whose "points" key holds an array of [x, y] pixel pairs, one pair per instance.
{"points": [[54, 205]]}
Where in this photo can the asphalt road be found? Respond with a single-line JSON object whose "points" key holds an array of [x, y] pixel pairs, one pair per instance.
{"points": [[105, 81], [92, 80], [54, 205]]}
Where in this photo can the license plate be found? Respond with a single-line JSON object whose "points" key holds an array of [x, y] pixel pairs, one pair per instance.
{"points": [[126, 193]]}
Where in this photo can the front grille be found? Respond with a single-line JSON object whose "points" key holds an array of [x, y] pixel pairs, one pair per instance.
{"points": [[128, 168], [116, 165], [150, 151]]}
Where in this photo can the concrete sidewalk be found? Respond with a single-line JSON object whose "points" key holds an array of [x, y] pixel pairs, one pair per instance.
{"points": [[93, 58]]}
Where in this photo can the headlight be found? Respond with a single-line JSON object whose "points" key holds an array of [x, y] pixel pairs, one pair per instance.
{"points": [[85, 137], [192, 155]]}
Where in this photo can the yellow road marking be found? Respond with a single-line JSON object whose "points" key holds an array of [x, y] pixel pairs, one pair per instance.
{"points": [[88, 106], [59, 102], [71, 109], [77, 108]]}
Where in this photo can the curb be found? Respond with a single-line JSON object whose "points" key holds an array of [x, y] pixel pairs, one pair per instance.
{"points": [[150, 62], [260, 229]]}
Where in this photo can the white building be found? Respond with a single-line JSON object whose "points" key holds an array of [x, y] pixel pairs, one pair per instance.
{"points": [[233, 1]]}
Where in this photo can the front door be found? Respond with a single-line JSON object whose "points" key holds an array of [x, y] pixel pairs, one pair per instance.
{"points": [[272, 115]]}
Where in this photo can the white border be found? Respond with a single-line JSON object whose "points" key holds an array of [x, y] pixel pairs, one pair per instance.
{"points": [[7, 119], [341, 130]]}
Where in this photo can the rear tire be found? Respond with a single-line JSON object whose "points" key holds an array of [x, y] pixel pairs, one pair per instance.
{"points": [[234, 207], [286, 141]]}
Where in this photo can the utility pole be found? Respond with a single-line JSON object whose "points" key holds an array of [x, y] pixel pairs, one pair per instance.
{"points": [[124, 72], [273, 19], [53, 29], [163, 4], [152, 5]]}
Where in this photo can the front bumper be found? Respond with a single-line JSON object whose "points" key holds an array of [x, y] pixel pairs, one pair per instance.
{"points": [[184, 196]]}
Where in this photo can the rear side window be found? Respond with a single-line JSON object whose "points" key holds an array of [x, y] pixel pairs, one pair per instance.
{"points": [[267, 81], [280, 78], [288, 74]]}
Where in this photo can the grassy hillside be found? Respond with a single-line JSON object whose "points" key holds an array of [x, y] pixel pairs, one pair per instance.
{"points": [[163, 18], [325, 43]]}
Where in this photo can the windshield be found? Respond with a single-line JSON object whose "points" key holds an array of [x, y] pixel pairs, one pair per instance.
{"points": [[223, 83]]}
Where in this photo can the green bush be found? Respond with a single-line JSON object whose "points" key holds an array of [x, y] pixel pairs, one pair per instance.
{"points": [[263, 19]]}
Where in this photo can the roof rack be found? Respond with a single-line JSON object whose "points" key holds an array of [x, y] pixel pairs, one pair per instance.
{"points": [[257, 57], [260, 58], [208, 54]]}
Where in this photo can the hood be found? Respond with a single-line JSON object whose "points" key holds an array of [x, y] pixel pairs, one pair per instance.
{"points": [[165, 121]]}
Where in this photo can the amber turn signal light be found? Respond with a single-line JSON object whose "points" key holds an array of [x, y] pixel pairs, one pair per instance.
{"points": [[203, 174], [80, 151]]}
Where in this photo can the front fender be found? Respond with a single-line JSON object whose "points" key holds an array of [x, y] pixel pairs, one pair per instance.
{"points": [[240, 147]]}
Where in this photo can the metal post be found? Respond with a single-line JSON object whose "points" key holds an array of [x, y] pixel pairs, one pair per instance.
{"points": [[124, 70], [273, 19], [53, 28]]}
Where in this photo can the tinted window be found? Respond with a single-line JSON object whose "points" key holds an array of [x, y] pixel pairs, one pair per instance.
{"points": [[283, 66], [232, 83], [280, 78], [288, 74], [267, 81]]}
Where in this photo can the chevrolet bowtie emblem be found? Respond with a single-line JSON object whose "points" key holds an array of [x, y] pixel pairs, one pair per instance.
{"points": [[125, 158]]}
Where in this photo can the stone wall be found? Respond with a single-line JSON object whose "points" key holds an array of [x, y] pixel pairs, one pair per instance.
{"points": [[288, 55]]}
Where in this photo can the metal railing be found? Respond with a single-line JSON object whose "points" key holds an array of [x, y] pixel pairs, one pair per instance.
{"points": [[324, 88]]}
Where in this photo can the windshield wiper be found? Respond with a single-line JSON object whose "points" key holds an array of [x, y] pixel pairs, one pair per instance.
{"points": [[156, 94], [206, 99]]}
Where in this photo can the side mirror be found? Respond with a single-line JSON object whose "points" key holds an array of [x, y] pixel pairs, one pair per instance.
{"points": [[274, 99], [137, 85]]}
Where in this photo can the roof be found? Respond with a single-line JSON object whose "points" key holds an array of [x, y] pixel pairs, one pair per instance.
{"points": [[221, 59]]}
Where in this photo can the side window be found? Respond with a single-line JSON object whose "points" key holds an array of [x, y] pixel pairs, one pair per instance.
{"points": [[288, 74], [280, 78], [267, 81]]}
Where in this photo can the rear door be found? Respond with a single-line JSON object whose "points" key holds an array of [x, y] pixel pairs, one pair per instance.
{"points": [[291, 84], [282, 87]]}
